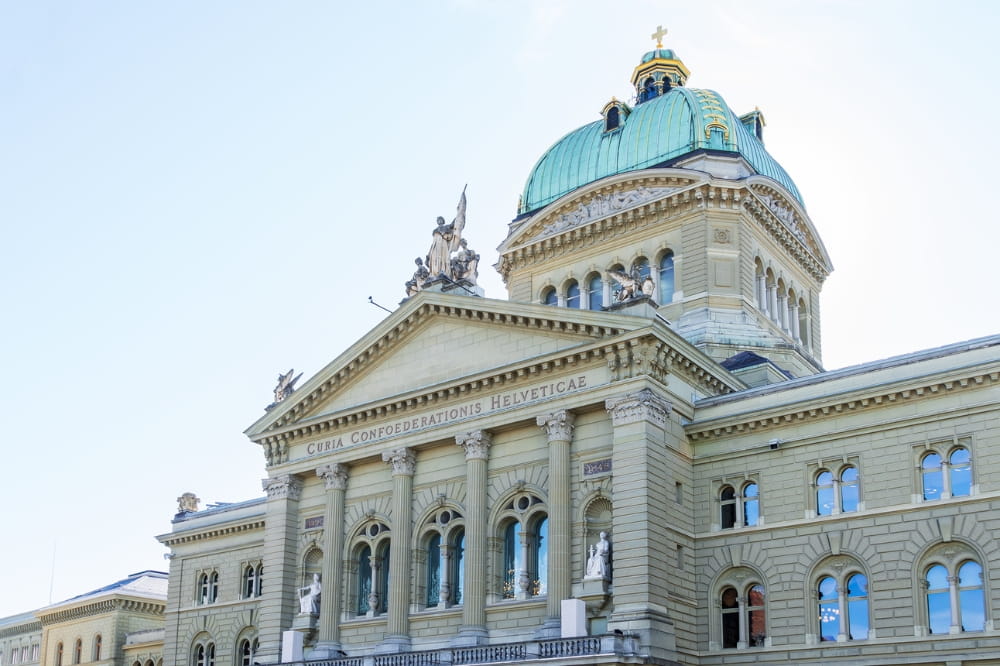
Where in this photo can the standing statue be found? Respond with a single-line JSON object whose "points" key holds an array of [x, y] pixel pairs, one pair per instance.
{"points": [[597, 563], [309, 597], [446, 239]]}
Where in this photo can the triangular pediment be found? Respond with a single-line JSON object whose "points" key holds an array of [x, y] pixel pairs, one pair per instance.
{"points": [[791, 216], [605, 198], [437, 340]]}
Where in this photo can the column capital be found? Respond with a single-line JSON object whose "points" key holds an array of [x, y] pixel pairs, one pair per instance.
{"points": [[476, 443], [334, 475], [402, 460], [557, 425], [282, 487], [642, 405]]}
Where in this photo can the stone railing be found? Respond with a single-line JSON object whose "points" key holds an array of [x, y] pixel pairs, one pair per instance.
{"points": [[560, 648]]}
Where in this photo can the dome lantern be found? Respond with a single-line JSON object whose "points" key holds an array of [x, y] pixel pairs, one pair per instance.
{"points": [[658, 71]]}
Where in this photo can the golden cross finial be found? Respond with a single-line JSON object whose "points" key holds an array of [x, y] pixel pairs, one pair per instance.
{"points": [[658, 36]]}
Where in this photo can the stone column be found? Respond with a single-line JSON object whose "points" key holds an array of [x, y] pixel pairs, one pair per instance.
{"points": [[558, 428], [335, 478], [444, 583], [606, 283], [956, 623], [772, 302], [477, 452], [398, 626], [793, 320], [642, 442], [842, 614], [280, 553], [744, 639], [762, 293]]}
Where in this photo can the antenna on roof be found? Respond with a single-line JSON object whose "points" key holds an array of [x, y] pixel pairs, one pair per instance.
{"points": [[379, 306]]}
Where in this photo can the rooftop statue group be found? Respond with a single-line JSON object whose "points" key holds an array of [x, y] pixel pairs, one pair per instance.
{"points": [[449, 255]]}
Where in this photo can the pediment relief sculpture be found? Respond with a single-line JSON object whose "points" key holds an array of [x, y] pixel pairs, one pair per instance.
{"points": [[604, 204]]}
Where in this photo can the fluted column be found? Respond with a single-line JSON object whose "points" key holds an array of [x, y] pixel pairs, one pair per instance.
{"points": [[477, 452], [335, 478], [558, 428], [398, 626]]}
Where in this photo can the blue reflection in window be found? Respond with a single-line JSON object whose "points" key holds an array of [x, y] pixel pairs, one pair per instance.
{"points": [[666, 294], [824, 494], [595, 293], [458, 568], [550, 297], [364, 579], [857, 607], [849, 489], [970, 596], [751, 505], [932, 479], [961, 473], [540, 584], [829, 611], [938, 605], [511, 560], [573, 295]]}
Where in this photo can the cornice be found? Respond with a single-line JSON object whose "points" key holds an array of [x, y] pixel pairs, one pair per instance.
{"points": [[632, 354], [855, 401], [473, 312], [212, 532], [812, 259], [27, 627], [143, 606]]}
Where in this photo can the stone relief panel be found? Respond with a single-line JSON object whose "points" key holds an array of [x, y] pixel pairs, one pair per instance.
{"points": [[604, 204]]}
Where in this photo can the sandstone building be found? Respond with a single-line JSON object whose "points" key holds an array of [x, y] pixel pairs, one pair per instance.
{"points": [[635, 458]]}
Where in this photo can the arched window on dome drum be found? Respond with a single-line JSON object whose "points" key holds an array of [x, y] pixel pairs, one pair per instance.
{"points": [[549, 297], [595, 293], [573, 294], [666, 294], [612, 120], [642, 266], [649, 89]]}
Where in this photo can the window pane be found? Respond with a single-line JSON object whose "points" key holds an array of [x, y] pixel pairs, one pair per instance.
{"points": [[848, 497], [364, 579], [933, 483], [540, 585], [510, 561], [961, 473], [751, 512], [434, 570], [857, 586], [642, 266], [730, 618], [573, 295], [849, 475], [959, 456], [824, 500], [938, 612], [829, 620], [857, 616], [458, 568], [595, 292], [827, 589], [728, 517], [550, 297], [973, 615], [937, 578], [666, 294]]}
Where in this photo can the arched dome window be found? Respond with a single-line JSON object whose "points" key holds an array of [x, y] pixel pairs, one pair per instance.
{"points": [[573, 294], [613, 119], [666, 294], [549, 297]]}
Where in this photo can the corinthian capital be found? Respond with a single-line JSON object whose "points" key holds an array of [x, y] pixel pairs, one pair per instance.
{"points": [[402, 460], [476, 444], [558, 425], [642, 405], [334, 475], [282, 487]]}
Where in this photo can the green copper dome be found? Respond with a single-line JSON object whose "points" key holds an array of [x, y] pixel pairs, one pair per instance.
{"points": [[654, 133]]}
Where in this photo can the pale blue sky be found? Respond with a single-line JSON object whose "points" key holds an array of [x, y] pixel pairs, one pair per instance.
{"points": [[196, 196]]}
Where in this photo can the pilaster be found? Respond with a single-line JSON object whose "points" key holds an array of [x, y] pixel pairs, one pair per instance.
{"points": [[280, 550], [640, 573], [558, 427]]}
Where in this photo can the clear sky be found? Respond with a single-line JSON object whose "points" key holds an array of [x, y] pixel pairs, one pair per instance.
{"points": [[195, 196]]}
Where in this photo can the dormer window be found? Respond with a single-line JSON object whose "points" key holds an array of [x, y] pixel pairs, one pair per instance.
{"points": [[612, 120]]}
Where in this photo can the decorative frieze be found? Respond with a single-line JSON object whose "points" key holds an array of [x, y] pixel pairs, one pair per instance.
{"points": [[476, 443], [643, 405], [282, 487], [334, 476], [402, 460], [604, 204], [557, 425]]}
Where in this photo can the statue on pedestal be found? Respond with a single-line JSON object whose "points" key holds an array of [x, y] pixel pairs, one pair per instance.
{"points": [[446, 239], [309, 597], [597, 562]]}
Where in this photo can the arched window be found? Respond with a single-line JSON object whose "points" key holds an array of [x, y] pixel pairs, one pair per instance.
{"points": [[960, 464], [78, 651], [964, 584], [751, 504], [824, 493], [641, 266], [612, 119], [595, 293], [434, 570], [59, 654], [933, 479], [573, 294], [246, 651], [252, 580], [666, 294], [743, 620], [849, 496], [843, 607], [727, 502], [549, 297], [364, 579], [837, 491], [524, 557], [457, 566], [803, 313], [213, 587], [97, 648]]}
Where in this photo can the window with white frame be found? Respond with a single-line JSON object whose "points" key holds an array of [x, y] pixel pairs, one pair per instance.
{"points": [[840, 590], [253, 574], [954, 590], [945, 470], [741, 605], [739, 503]]}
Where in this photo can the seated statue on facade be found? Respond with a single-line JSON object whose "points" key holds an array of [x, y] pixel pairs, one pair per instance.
{"points": [[309, 597], [416, 283], [465, 263], [597, 562]]}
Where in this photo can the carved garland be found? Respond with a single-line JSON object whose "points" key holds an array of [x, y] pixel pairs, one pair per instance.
{"points": [[702, 433]]}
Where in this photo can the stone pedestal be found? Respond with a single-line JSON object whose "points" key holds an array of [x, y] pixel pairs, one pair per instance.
{"points": [[593, 592], [574, 618], [291, 646]]}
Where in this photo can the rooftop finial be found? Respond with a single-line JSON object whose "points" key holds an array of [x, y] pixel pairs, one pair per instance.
{"points": [[658, 36]]}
